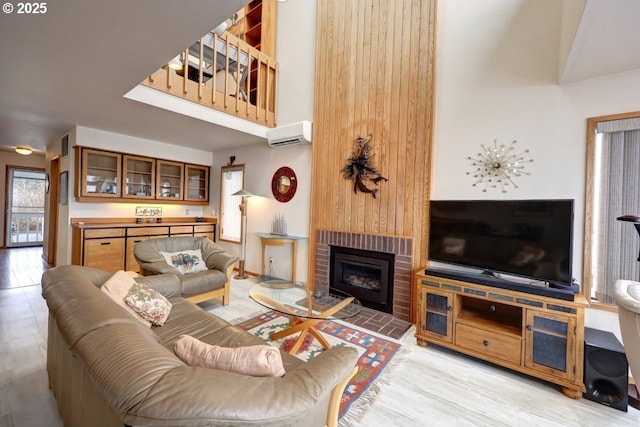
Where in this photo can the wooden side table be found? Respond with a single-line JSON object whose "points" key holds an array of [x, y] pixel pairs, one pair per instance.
{"points": [[268, 239]]}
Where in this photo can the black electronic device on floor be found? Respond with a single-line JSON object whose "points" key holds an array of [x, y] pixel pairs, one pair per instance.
{"points": [[606, 371]]}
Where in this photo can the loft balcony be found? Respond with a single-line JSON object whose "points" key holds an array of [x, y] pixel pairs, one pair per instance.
{"points": [[224, 73]]}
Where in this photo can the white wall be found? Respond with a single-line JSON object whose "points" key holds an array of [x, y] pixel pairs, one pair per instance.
{"points": [[261, 162], [296, 55], [497, 67]]}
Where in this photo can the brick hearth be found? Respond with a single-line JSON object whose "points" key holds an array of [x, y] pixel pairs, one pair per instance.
{"points": [[402, 247]]}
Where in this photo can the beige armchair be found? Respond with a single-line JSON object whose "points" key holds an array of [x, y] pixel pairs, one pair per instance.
{"points": [[627, 294], [195, 286]]}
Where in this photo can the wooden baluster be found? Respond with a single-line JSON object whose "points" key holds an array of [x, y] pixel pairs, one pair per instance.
{"points": [[248, 81], [200, 65], [185, 73], [267, 102], [258, 83], [226, 71], [275, 91], [214, 66], [168, 78], [237, 77]]}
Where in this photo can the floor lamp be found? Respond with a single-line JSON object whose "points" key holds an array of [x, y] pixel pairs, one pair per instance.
{"points": [[633, 219], [243, 242]]}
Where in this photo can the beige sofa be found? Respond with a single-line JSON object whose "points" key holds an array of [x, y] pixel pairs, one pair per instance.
{"points": [[108, 369], [196, 287], [627, 295]]}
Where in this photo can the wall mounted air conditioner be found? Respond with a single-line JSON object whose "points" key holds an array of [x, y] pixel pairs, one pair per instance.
{"points": [[293, 134]]}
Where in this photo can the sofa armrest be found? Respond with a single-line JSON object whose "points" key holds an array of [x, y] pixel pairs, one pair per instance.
{"points": [[158, 267], [168, 285], [220, 261], [261, 401], [627, 294]]}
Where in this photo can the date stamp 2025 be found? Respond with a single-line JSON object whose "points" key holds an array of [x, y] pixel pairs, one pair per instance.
{"points": [[29, 8]]}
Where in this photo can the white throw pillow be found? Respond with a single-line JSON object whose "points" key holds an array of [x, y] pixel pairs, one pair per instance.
{"points": [[117, 287], [185, 261]]}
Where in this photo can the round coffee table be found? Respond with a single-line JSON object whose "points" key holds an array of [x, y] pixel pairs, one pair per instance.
{"points": [[304, 307]]}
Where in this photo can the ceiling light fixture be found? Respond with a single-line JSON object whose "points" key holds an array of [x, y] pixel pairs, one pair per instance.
{"points": [[25, 151]]}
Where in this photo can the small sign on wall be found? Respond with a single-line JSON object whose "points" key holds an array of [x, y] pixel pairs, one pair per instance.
{"points": [[144, 211]]}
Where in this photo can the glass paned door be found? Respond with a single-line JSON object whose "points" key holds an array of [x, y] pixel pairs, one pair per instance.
{"points": [[438, 320], [25, 208], [550, 342], [169, 180]]}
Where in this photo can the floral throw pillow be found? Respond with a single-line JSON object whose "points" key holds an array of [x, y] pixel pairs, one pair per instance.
{"points": [[149, 304], [187, 261]]}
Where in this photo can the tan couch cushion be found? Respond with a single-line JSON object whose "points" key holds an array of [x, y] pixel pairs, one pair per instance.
{"points": [[117, 287], [255, 360]]}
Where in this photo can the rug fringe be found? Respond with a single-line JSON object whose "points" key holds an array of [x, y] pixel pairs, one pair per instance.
{"points": [[363, 404]]}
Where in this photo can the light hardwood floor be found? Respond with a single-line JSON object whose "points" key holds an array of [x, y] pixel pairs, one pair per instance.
{"points": [[21, 267], [428, 387]]}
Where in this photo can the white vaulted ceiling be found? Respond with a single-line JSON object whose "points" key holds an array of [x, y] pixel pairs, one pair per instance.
{"points": [[602, 37]]}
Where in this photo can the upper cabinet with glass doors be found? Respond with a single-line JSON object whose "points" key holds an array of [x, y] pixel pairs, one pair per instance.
{"points": [[106, 176], [139, 177], [101, 174], [169, 180], [196, 183]]}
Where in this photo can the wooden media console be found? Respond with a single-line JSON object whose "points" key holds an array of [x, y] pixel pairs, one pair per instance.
{"points": [[533, 334]]}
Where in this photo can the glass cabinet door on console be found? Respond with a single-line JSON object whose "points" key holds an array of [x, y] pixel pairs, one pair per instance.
{"points": [[101, 174], [169, 180], [438, 314], [139, 177], [550, 344], [197, 183]]}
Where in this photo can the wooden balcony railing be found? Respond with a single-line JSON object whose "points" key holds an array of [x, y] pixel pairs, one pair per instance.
{"points": [[224, 73]]}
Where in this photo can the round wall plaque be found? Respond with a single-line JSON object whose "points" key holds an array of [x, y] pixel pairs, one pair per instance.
{"points": [[284, 184]]}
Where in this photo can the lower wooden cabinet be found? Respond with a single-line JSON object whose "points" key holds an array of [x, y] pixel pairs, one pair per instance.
{"points": [[109, 246], [539, 336], [551, 343], [104, 249], [130, 262], [438, 314], [207, 231]]}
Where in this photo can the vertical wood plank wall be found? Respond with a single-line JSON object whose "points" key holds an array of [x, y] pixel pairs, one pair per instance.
{"points": [[374, 75]]}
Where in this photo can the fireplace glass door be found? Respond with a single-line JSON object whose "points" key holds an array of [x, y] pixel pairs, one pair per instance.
{"points": [[366, 275]]}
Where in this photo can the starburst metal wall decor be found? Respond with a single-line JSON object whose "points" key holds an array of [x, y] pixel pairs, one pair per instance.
{"points": [[498, 166], [359, 167]]}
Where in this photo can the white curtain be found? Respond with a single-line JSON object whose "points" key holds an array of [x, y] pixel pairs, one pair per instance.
{"points": [[230, 216], [617, 193]]}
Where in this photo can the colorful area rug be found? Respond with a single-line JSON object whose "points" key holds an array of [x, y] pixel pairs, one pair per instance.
{"points": [[375, 352]]}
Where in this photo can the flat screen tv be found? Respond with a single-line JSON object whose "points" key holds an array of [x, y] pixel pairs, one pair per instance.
{"points": [[525, 238]]}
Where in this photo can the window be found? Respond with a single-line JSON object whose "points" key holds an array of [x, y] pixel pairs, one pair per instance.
{"points": [[613, 190], [25, 207], [232, 180]]}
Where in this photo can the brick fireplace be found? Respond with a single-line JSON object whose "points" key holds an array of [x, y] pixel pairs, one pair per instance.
{"points": [[400, 247]]}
